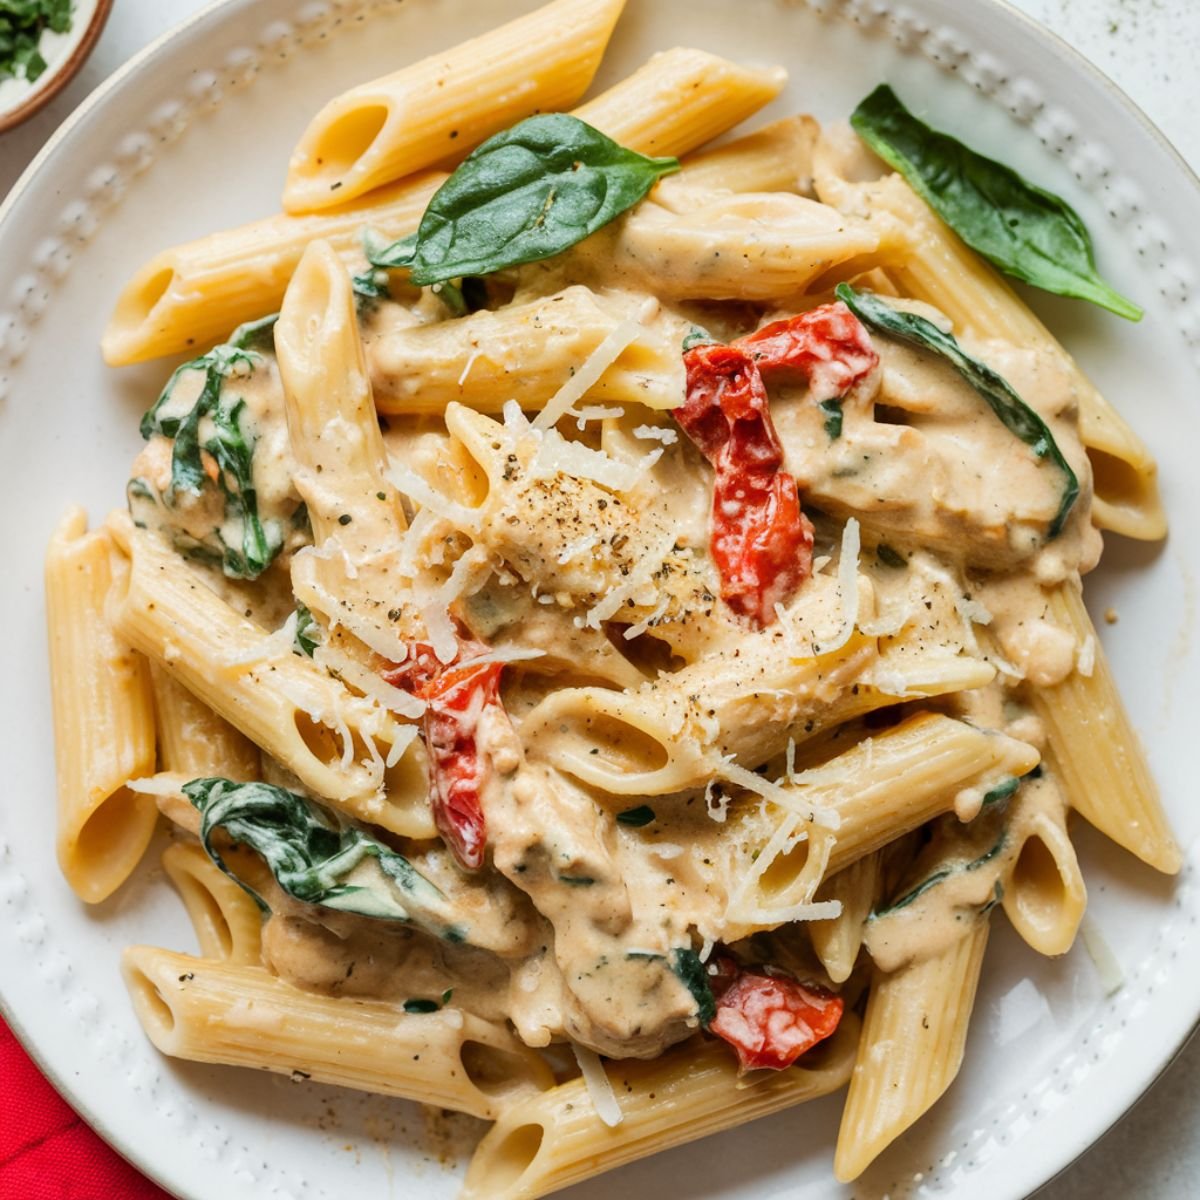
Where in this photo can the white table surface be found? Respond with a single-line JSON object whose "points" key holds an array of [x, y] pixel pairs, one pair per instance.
{"points": [[1150, 48]]}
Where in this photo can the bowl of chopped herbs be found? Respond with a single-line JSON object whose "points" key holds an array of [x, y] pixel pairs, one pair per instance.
{"points": [[43, 44]]}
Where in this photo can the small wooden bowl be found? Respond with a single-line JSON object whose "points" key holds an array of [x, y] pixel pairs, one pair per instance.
{"points": [[58, 75]]}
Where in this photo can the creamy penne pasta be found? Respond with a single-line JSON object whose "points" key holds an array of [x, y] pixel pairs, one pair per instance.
{"points": [[619, 602]]}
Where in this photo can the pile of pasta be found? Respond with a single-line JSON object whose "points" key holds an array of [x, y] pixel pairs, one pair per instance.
{"points": [[421, 630]]}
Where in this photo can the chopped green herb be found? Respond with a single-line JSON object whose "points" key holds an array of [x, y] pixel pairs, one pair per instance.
{"points": [[1027, 232], [1014, 414], [637, 817], [833, 418], [22, 24], [697, 337], [890, 557], [304, 642], [577, 880], [939, 877]]}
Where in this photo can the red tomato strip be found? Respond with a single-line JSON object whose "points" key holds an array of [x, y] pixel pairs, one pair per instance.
{"points": [[828, 346], [770, 1020], [761, 542], [455, 697]]}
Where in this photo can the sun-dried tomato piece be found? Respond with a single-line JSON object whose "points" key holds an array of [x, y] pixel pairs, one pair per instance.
{"points": [[770, 1020], [456, 696]]}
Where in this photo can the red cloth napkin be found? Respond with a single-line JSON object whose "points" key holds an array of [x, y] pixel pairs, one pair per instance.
{"points": [[47, 1152]]}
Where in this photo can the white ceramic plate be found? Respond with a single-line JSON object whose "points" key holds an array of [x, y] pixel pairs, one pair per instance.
{"points": [[193, 136]]}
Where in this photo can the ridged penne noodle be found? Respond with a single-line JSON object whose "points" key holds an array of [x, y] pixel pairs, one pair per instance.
{"points": [[332, 740], [190, 295], [557, 1139], [525, 352], [436, 109], [207, 1010], [775, 158], [192, 739], [103, 714], [910, 1050], [194, 294], [681, 99], [227, 921], [677, 732], [837, 941], [1044, 894], [1094, 749], [743, 246], [883, 788], [944, 272]]}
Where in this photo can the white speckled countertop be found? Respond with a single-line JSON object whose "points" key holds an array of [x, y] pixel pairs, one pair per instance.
{"points": [[1151, 49]]}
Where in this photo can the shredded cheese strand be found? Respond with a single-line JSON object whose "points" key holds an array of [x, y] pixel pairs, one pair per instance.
{"points": [[588, 375]]}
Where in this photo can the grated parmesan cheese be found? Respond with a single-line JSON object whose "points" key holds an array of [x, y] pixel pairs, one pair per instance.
{"points": [[588, 374], [599, 1087], [792, 801], [657, 433], [1085, 661], [847, 587], [417, 489], [603, 609]]}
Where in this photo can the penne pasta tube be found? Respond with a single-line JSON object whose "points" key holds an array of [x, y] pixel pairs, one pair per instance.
{"points": [[911, 1048], [837, 942], [206, 1010], [775, 158], [333, 428], [1094, 750], [191, 295], [192, 739], [557, 1139], [434, 110], [524, 352], [334, 741], [103, 714], [1044, 894], [883, 788], [687, 728], [194, 294], [646, 111], [227, 921], [753, 246]]}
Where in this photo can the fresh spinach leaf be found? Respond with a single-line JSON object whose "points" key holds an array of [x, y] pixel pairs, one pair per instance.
{"points": [[1016, 416], [691, 973], [696, 336], [1027, 232], [940, 877], [833, 418], [231, 445], [526, 194], [1001, 791], [316, 859]]}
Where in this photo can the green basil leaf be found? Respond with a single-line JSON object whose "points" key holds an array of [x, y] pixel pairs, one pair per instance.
{"points": [[1027, 232], [313, 856], [526, 194], [1016, 416]]}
